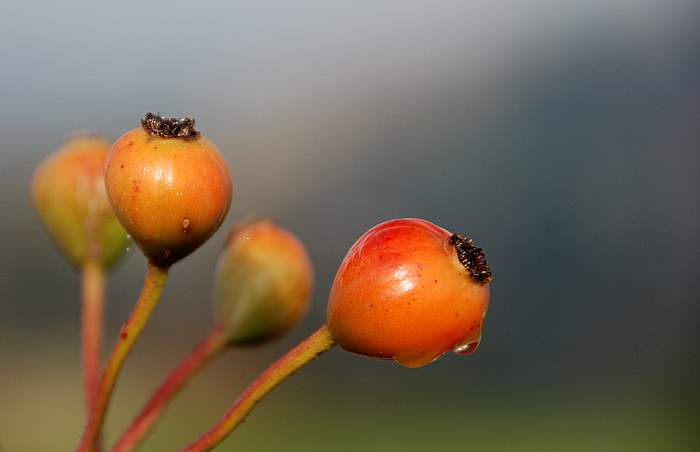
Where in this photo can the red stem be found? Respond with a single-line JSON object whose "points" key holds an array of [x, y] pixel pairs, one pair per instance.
{"points": [[207, 349], [302, 354], [130, 332], [92, 282]]}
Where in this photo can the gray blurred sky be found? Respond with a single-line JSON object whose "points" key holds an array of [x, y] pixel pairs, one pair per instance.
{"points": [[562, 135]]}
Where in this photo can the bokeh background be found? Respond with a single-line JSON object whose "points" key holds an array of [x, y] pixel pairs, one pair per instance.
{"points": [[563, 135]]}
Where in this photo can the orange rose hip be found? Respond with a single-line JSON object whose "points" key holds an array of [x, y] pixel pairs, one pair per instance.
{"points": [[411, 291], [169, 186]]}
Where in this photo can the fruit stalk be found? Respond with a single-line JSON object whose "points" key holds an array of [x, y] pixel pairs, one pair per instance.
{"points": [[298, 357], [92, 282], [132, 328], [202, 354]]}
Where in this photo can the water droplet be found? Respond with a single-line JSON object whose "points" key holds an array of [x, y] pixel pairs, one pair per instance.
{"points": [[417, 360], [468, 347]]}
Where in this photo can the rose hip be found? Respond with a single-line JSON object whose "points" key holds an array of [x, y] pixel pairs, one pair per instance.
{"points": [[263, 283], [410, 290], [169, 186], [69, 194]]}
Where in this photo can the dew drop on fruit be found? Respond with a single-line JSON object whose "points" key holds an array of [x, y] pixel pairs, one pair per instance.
{"points": [[468, 348], [418, 360]]}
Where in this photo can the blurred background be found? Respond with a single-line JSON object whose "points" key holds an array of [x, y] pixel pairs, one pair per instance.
{"points": [[563, 136]]}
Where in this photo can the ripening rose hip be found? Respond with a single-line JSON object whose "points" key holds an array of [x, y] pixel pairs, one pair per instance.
{"points": [[411, 291], [68, 192], [169, 186], [263, 283]]}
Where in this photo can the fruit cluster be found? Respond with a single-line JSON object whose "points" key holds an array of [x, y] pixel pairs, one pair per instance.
{"points": [[407, 289]]}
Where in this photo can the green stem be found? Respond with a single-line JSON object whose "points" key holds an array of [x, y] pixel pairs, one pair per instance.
{"points": [[132, 328], [302, 354]]}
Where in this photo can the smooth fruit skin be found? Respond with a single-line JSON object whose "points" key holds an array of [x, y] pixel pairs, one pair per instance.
{"points": [[171, 194], [402, 293], [263, 283], [68, 192]]}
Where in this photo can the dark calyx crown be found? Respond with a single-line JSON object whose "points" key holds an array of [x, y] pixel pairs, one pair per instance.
{"points": [[472, 258], [157, 125]]}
